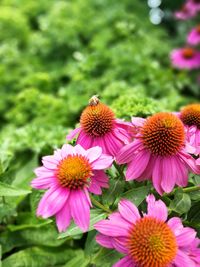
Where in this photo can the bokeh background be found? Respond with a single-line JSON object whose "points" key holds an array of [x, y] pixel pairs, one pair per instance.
{"points": [[54, 55]]}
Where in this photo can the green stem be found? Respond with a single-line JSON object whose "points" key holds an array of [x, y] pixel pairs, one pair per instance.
{"points": [[119, 169], [185, 190], [99, 205]]}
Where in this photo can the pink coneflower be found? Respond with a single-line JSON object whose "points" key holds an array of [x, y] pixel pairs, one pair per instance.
{"points": [[185, 58], [98, 127], [194, 36], [194, 5], [190, 116], [69, 175], [159, 153], [151, 240], [186, 12]]}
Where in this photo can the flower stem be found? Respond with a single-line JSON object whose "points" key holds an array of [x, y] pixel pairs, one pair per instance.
{"points": [[119, 169], [99, 205], [185, 190]]}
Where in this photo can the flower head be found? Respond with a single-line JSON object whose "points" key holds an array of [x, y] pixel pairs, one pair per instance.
{"points": [[190, 116], [69, 175], [159, 153], [194, 5], [99, 127], [150, 240], [185, 58], [186, 12], [194, 36]]}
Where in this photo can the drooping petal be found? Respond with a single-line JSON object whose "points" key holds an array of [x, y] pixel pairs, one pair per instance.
{"points": [[157, 175], [182, 172], [63, 217], [50, 162], [168, 174], [73, 133], [104, 241], [125, 262], [120, 244], [85, 140], [190, 161], [126, 154], [44, 182], [112, 228], [80, 209], [183, 260], [138, 165], [156, 209], [52, 201], [128, 211], [186, 237], [176, 225]]}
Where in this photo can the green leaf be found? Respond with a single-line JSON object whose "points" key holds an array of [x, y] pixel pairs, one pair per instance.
{"points": [[39, 257], [115, 190], [79, 260], [181, 203], [95, 216], [9, 190], [91, 245], [137, 195], [106, 257]]}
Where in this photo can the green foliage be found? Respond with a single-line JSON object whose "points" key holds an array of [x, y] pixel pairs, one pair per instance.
{"points": [[54, 55]]}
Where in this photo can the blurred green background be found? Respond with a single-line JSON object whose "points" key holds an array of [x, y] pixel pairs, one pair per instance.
{"points": [[54, 55]]}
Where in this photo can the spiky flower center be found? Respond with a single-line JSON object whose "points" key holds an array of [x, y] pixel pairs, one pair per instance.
{"points": [[190, 115], [97, 120], [152, 243], [74, 172], [163, 134], [188, 53], [198, 29]]}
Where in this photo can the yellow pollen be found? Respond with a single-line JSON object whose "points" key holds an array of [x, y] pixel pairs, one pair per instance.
{"points": [[152, 243], [190, 115], [163, 134], [74, 172], [97, 119]]}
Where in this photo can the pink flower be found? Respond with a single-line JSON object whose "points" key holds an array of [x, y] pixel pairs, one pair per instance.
{"points": [[185, 58], [69, 175], [159, 153], [194, 5], [151, 240], [190, 116], [100, 128], [186, 12], [194, 36]]}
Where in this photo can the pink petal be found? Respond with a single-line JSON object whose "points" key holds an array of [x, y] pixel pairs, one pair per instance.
{"points": [[104, 241], [44, 182], [93, 153], [182, 173], [125, 262], [126, 154], [120, 244], [95, 188], [52, 201], [190, 161], [168, 174], [112, 228], [100, 178], [176, 225], [78, 149], [156, 175], [186, 237], [112, 143], [66, 150], [80, 209], [50, 162], [138, 165], [85, 140], [103, 162], [156, 209], [128, 211], [183, 260], [63, 217], [73, 133], [137, 121]]}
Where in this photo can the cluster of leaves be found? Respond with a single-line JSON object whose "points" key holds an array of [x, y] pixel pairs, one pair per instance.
{"points": [[53, 56]]}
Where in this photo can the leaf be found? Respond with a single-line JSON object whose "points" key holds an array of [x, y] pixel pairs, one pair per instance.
{"points": [[39, 257], [137, 195], [9, 190], [106, 257], [181, 203], [91, 245], [95, 216], [115, 189], [79, 260]]}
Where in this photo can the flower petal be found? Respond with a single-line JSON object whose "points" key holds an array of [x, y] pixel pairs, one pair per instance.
{"points": [[183, 260], [104, 241], [128, 211], [63, 217], [127, 152], [80, 209], [168, 174], [103, 162], [73, 133], [125, 262], [156, 209], [93, 153], [186, 237]]}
